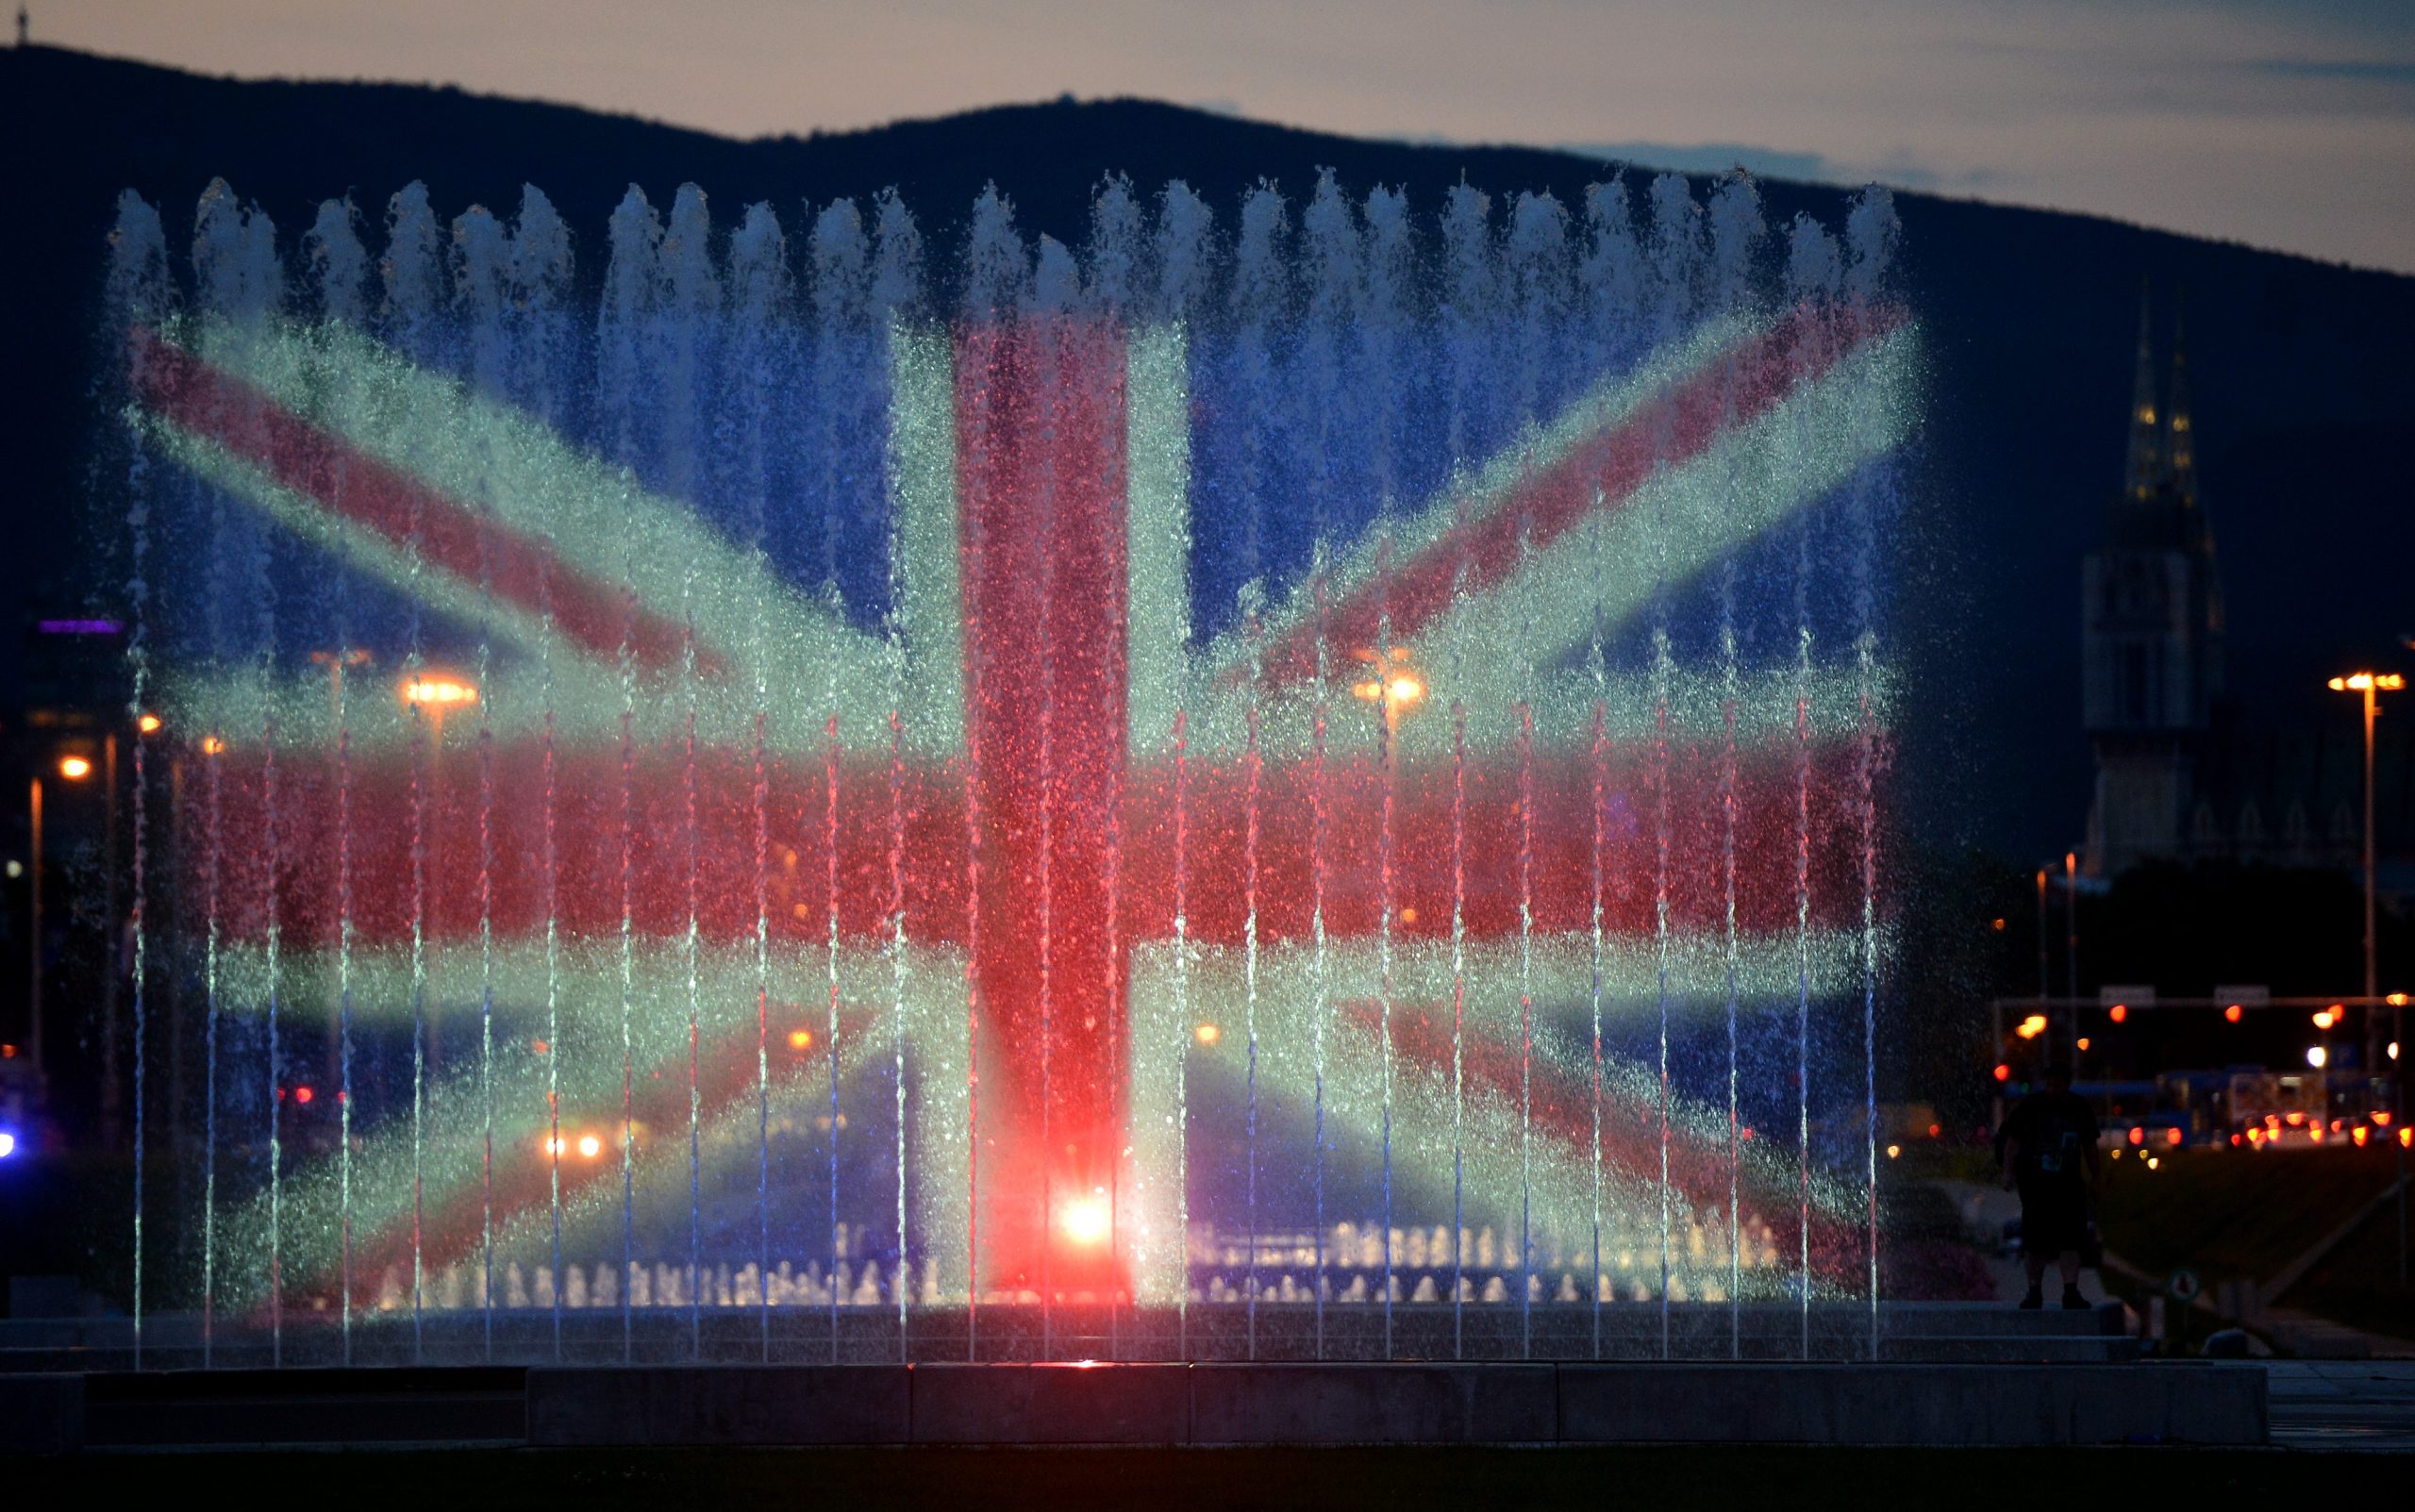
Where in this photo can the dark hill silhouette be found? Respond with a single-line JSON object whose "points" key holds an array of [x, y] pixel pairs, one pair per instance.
{"points": [[2303, 387]]}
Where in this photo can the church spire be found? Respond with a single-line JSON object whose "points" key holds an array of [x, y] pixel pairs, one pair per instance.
{"points": [[2145, 467], [2179, 432]]}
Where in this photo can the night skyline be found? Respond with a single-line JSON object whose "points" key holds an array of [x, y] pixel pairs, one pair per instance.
{"points": [[2291, 127]]}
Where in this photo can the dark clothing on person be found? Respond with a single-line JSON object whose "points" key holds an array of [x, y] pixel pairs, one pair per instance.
{"points": [[2054, 1217], [2056, 1134], [2055, 1131]]}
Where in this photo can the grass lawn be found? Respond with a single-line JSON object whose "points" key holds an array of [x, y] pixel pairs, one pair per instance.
{"points": [[2231, 1214], [2357, 1282]]}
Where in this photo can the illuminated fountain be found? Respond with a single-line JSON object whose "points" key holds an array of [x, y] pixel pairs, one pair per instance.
{"points": [[1299, 782]]}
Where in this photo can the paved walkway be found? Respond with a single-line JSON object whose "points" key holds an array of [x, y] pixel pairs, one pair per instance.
{"points": [[2365, 1405], [1984, 1206]]}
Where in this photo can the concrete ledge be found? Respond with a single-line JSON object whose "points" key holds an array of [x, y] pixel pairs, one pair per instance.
{"points": [[1051, 1404], [307, 1405], [40, 1414], [720, 1404], [1155, 1403], [1914, 1403], [1372, 1405]]}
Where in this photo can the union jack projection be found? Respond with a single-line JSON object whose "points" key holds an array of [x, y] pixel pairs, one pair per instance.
{"points": [[1327, 761]]}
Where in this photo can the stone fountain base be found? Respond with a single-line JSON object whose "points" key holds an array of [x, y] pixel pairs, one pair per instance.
{"points": [[1948, 1375]]}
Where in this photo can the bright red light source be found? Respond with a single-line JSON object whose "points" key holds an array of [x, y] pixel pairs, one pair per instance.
{"points": [[2233, 1013], [1934, 1130], [2003, 1073], [303, 1094], [2172, 1135], [2121, 1012], [1086, 1221], [2234, 1140], [2138, 1136]]}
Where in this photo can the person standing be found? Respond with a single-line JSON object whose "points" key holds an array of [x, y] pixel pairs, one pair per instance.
{"points": [[2047, 1149]]}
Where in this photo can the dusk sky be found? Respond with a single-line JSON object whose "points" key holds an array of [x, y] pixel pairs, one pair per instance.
{"points": [[2285, 123]]}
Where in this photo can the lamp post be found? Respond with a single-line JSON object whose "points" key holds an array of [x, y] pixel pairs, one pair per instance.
{"points": [[72, 769], [2043, 991], [112, 1087], [428, 694], [33, 992], [2367, 683], [2071, 940], [1395, 689]]}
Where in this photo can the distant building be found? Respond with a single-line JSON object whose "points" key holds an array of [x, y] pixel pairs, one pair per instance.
{"points": [[2180, 776], [2151, 616]]}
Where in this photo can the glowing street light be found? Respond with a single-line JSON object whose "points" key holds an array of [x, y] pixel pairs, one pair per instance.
{"points": [[433, 693], [72, 767], [438, 692], [1396, 688], [588, 1146], [148, 724], [2365, 685]]}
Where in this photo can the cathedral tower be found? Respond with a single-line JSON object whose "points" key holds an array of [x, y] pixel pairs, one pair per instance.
{"points": [[2151, 621]]}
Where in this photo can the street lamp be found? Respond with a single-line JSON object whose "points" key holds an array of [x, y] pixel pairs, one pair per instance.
{"points": [[2365, 684], [2070, 937], [433, 692], [1395, 689], [436, 690], [72, 769]]}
